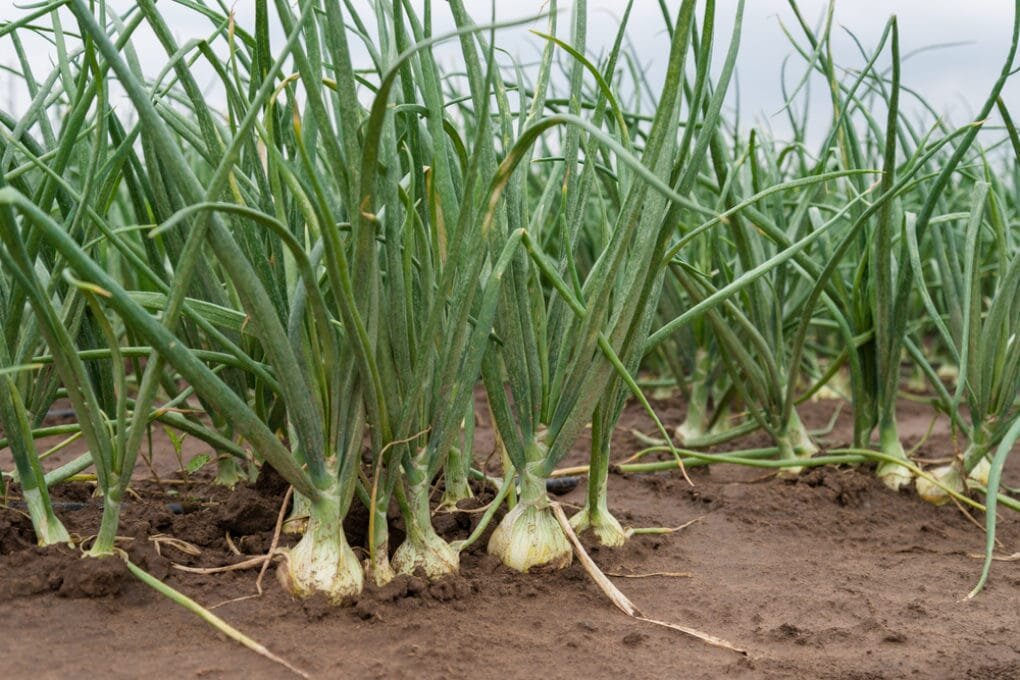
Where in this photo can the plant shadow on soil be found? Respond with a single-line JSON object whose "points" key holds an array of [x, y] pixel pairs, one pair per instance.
{"points": [[826, 575]]}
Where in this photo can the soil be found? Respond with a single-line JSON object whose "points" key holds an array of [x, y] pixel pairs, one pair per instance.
{"points": [[824, 575]]}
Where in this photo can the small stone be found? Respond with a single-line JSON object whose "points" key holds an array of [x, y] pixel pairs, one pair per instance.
{"points": [[634, 639]]}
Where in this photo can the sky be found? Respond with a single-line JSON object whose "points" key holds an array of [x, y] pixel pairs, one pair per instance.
{"points": [[954, 78]]}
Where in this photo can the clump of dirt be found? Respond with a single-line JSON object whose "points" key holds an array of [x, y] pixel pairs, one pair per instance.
{"points": [[92, 577], [199, 527], [15, 531], [247, 511], [409, 592], [62, 571], [847, 487]]}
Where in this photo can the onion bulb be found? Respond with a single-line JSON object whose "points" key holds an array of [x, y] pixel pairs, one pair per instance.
{"points": [[529, 535], [322, 561]]}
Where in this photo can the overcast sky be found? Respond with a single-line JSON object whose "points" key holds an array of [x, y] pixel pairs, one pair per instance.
{"points": [[954, 79]]}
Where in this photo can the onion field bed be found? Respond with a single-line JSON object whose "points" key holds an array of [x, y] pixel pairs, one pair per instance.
{"points": [[350, 342], [827, 575]]}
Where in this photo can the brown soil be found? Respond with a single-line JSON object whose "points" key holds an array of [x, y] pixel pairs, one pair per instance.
{"points": [[827, 575]]}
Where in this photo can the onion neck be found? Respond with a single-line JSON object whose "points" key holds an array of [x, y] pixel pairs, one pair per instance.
{"points": [[455, 483], [104, 543], [978, 449], [696, 421], [893, 475], [378, 565], [532, 488], [794, 443], [49, 530]]}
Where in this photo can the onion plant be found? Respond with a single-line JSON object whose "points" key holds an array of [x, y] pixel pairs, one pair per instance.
{"points": [[94, 161], [979, 272], [877, 297], [435, 282], [842, 299], [704, 100], [560, 353], [66, 315], [358, 336], [323, 561]]}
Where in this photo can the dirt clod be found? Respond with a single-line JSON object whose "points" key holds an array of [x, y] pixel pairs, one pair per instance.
{"points": [[247, 512], [93, 577]]}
